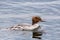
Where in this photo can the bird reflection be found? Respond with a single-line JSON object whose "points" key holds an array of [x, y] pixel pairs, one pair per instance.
{"points": [[37, 35]]}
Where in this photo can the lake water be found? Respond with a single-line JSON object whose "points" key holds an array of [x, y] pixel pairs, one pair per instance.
{"points": [[21, 11]]}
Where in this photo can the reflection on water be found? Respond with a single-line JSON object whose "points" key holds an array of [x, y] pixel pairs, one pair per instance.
{"points": [[37, 35]]}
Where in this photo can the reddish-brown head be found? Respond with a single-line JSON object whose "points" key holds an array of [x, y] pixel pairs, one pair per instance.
{"points": [[36, 19]]}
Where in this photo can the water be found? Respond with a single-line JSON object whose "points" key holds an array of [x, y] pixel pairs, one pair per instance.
{"points": [[20, 11]]}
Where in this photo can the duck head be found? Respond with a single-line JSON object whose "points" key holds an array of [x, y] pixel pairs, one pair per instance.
{"points": [[36, 19]]}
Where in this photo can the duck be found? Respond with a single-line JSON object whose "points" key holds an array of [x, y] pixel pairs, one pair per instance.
{"points": [[33, 26]]}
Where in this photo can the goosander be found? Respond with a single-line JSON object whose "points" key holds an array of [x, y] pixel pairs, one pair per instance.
{"points": [[35, 20]]}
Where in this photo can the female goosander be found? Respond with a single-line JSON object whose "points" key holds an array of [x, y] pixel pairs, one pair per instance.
{"points": [[35, 20]]}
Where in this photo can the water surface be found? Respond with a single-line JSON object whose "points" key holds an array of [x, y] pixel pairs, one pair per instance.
{"points": [[20, 11]]}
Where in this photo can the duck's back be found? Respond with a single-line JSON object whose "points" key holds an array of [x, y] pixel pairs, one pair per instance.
{"points": [[25, 27]]}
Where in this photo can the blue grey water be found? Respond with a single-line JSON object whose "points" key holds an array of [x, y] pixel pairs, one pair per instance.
{"points": [[20, 11]]}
